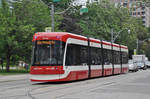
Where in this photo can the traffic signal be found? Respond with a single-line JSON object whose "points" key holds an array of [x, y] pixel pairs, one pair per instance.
{"points": [[56, 1]]}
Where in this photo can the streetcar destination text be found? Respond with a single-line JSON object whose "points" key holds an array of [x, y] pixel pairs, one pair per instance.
{"points": [[46, 42]]}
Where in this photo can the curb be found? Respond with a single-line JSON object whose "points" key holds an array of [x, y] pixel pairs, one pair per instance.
{"points": [[12, 78]]}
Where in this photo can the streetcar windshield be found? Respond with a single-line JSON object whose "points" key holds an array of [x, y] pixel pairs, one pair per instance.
{"points": [[48, 53]]}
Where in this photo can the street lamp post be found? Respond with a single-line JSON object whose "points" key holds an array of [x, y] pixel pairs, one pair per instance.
{"points": [[137, 43], [82, 10], [114, 37], [52, 17], [52, 12]]}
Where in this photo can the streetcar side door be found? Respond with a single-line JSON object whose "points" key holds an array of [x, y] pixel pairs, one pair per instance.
{"points": [[75, 61]]}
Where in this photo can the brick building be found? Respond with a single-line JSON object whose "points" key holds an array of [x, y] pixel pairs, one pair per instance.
{"points": [[137, 9]]}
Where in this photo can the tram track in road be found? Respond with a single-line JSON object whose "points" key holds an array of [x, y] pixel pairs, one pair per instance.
{"points": [[116, 81], [103, 82], [76, 83], [16, 85], [5, 81], [91, 88], [26, 92], [66, 87], [30, 95], [54, 87], [12, 85], [39, 89]]}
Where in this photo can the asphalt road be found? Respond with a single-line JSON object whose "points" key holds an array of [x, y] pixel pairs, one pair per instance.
{"points": [[126, 86]]}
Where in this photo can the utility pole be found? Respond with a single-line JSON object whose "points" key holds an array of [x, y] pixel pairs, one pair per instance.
{"points": [[52, 17], [138, 42], [112, 36], [137, 47]]}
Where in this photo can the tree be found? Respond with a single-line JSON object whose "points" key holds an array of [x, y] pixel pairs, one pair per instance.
{"points": [[101, 19], [62, 17], [8, 32], [18, 26], [29, 16], [33, 12]]}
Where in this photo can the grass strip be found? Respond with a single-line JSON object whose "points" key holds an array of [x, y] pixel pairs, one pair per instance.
{"points": [[13, 72]]}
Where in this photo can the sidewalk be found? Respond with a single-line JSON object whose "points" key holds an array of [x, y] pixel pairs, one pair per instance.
{"points": [[9, 78]]}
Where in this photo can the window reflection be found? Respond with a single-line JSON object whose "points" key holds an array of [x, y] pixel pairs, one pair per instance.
{"points": [[48, 53]]}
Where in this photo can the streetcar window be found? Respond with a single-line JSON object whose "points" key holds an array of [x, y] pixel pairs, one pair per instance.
{"points": [[76, 55], [48, 53], [107, 56], [33, 48], [116, 57], [96, 56], [72, 57], [124, 58], [84, 54]]}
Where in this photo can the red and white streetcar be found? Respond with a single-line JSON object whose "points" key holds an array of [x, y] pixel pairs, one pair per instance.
{"points": [[61, 56]]}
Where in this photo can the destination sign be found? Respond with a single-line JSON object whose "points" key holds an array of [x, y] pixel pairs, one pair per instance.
{"points": [[46, 42]]}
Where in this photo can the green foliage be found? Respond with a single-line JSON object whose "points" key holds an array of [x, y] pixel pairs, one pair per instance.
{"points": [[101, 19], [14, 72], [33, 12], [26, 17], [18, 26], [59, 6]]}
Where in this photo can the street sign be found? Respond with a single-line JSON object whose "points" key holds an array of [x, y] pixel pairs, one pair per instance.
{"points": [[134, 51], [56, 0], [48, 29], [84, 10]]}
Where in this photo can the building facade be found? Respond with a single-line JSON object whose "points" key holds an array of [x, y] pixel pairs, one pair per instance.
{"points": [[0, 3], [147, 17], [137, 9]]}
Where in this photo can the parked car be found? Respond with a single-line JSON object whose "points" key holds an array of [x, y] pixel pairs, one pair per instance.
{"points": [[141, 65], [133, 66], [147, 63]]}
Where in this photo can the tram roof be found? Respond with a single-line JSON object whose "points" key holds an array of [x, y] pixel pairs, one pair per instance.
{"points": [[63, 36]]}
